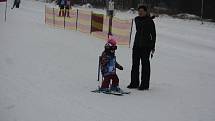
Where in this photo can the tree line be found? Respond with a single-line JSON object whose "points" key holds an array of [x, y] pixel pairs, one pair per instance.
{"points": [[173, 6]]}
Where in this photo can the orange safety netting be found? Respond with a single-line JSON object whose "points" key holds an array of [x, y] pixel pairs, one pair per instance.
{"points": [[58, 20], [84, 21], [49, 18], [88, 22], [97, 22], [121, 30], [70, 21], [104, 33]]}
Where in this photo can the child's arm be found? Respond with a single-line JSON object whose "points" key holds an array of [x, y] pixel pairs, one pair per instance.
{"points": [[104, 59], [119, 66]]}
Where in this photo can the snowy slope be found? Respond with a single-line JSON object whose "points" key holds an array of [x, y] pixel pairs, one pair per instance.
{"points": [[47, 74]]}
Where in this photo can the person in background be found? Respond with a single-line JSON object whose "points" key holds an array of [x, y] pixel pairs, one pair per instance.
{"points": [[68, 7], [61, 4]]}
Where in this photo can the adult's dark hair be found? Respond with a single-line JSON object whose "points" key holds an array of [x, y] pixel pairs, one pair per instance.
{"points": [[143, 7]]}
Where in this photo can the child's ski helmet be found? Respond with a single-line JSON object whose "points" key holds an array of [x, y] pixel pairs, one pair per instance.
{"points": [[111, 44]]}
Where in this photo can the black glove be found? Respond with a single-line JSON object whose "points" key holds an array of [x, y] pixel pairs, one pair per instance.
{"points": [[120, 68], [152, 52]]}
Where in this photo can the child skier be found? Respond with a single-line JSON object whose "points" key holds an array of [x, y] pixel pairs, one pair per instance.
{"points": [[108, 67]]}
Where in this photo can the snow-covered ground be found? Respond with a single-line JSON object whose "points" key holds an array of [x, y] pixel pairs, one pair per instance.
{"points": [[47, 74]]}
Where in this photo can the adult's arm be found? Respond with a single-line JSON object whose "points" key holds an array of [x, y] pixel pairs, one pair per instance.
{"points": [[153, 33]]}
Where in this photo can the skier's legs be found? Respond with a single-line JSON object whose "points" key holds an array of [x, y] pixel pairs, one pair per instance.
{"points": [[67, 11], [14, 4], [115, 81], [17, 5], [106, 82], [61, 12], [135, 68], [145, 75]]}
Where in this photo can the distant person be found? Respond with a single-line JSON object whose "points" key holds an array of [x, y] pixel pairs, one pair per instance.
{"points": [[68, 7], [84, 2], [61, 4], [143, 48], [16, 3]]}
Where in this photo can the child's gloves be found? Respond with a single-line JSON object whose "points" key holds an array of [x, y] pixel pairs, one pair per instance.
{"points": [[120, 68]]}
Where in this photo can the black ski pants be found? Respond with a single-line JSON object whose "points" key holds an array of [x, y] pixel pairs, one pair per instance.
{"points": [[143, 55]]}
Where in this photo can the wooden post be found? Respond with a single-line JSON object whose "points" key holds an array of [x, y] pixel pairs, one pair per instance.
{"points": [[5, 16], [53, 17], [64, 20], [110, 25], [77, 20], [202, 11], [91, 22], [45, 14]]}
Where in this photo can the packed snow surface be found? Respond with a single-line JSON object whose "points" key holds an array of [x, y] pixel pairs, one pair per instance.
{"points": [[46, 74]]}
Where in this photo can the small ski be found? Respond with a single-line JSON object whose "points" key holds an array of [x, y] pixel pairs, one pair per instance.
{"points": [[120, 93]]}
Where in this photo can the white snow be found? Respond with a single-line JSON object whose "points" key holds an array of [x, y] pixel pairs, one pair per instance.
{"points": [[88, 5], [47, 74]]}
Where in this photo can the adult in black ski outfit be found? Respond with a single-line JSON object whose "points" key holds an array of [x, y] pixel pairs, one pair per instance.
{"points": [[143, 49]]}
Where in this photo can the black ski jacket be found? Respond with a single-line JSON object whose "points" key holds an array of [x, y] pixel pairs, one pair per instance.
{"points": [[145, 32]]}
